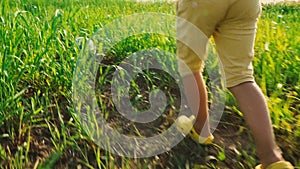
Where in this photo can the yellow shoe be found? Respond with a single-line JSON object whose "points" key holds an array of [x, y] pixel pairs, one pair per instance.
{"points": [[278, 165], [185, 125], [202, 140]]}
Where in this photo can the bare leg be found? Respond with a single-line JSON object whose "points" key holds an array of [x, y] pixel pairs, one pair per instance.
{"points": [[198, 107], [253, 104]]}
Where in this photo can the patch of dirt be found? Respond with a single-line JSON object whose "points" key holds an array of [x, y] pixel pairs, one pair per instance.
{"points": [[39, 149]]}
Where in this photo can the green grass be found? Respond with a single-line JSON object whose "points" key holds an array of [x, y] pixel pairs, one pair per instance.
{"points": [[38, 55]]}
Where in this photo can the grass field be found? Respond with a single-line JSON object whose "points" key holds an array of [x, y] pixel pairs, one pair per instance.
{"points": [[38, 55]]}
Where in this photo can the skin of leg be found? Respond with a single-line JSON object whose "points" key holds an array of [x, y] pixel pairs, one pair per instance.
{"points": [[199, 106], [253, 105]]}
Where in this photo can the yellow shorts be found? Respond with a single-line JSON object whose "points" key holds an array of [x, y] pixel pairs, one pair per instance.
{"points": [[232, 23]]}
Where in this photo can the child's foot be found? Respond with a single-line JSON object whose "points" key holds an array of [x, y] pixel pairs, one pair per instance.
{"points": [[277, 165], [185, 125], [202, 140]]}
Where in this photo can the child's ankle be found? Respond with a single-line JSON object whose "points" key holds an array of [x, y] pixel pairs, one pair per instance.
{"points": [[203, 132]]}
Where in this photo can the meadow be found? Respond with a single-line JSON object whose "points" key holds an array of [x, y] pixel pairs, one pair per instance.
{"points": [[38, 55]]}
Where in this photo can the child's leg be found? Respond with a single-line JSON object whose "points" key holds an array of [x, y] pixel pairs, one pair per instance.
{"points": [[252, 103], [199, 106], [235, 37], [196, 22]]}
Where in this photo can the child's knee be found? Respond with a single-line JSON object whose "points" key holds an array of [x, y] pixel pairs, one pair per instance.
{"points": [[235, 80]]}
